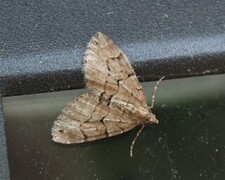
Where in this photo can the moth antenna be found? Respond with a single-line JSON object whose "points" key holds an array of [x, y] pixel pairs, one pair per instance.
{"points": [[154, 92], [132, 144]]}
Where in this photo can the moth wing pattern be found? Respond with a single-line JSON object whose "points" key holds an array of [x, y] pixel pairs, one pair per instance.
{"points": [[80, 121], [115, 103], [107, 68]]}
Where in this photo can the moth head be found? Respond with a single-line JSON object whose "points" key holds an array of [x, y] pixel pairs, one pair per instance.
{"points": [[151, 119]]}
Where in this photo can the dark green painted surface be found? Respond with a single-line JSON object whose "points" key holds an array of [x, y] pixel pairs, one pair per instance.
{"points": [[188, 143]]}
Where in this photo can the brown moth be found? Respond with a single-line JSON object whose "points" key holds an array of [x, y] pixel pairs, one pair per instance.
{"points": [[114, 104]]}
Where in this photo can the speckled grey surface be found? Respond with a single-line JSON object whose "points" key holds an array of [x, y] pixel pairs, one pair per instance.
{"points": [[42, 42]]}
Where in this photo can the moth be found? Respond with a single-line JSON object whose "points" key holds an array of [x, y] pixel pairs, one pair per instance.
{"points": [[114, 104]]}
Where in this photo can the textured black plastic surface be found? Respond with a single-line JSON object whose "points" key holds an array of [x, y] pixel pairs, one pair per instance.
{"points": [[42, 43]]}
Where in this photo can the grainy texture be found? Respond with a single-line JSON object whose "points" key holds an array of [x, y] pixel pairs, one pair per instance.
{"points": [[115, 103]]}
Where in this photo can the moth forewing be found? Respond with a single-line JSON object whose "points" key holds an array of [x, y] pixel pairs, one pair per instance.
{"points": [[115, 102]]}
